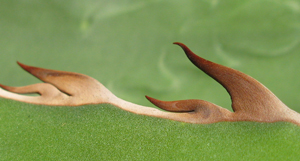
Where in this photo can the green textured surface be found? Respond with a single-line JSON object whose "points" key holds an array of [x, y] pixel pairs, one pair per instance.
{"points": [[126, 45], [106, 133]]}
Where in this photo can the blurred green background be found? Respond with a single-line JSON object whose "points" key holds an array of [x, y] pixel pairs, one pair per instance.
{"points": [[127, 46]]}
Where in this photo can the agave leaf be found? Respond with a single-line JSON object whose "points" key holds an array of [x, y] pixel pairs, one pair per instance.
{"points": [[125, 45]]}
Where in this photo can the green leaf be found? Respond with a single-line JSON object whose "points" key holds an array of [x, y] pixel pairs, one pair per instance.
{"points": [[126, 45]]}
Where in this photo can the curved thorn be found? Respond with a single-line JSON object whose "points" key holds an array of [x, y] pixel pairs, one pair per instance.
{"points": [[247, 94], [200, 111], [43, 89], [8, 88], [61, 88], [22, 90], [68, 82], [10, 95], [174, 106]]}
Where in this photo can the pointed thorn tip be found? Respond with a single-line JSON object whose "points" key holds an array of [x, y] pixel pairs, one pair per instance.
{"points": [[149, 98], [154, 101], [178, 43], [21, 65], [27, 67]]}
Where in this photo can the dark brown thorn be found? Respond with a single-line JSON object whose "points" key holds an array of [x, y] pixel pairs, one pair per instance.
{"points": [[198, 61], [247, 94]]}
